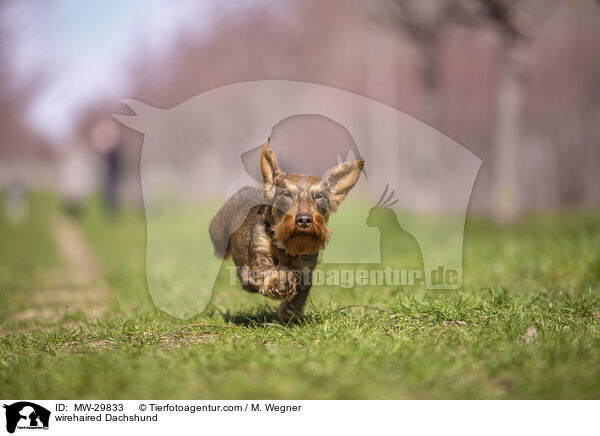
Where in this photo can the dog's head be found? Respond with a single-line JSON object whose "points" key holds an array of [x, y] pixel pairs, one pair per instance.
{"points": [[301, 204]]}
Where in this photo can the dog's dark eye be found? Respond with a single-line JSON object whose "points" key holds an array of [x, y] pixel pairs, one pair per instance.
{"points": [[319, 196], [287, 194]]}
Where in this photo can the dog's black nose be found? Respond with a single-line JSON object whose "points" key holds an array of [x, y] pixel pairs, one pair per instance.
{"points": [[304, 220]]}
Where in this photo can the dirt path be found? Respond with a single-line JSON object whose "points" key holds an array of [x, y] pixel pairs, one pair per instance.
{"points": [[77, 287]]}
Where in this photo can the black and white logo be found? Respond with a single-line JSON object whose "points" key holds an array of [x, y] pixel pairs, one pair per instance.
{"points": [[26, 415]]}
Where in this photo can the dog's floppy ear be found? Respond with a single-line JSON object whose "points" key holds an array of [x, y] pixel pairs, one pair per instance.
{"points": [[342, 179], [270, 170]]}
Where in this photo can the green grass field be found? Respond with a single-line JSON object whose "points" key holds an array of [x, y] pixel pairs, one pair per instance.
{"points": [[541, 276]]}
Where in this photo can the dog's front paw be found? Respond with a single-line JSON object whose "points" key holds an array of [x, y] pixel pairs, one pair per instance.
{"points": [[279, 284], [287, 313]]}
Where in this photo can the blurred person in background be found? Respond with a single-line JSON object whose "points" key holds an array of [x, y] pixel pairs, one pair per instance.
{"points": [[106, 139]]}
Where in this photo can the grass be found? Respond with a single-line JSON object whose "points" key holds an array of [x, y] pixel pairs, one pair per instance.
{"points": [[26, 250], [364, 342]]}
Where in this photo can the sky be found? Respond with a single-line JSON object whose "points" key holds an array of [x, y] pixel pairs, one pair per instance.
{"points": [[83, 49]]}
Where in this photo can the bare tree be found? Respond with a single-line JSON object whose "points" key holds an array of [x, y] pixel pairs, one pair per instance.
{"points": [[16, 94], [506, 197], [423, 22], [426, 23]]}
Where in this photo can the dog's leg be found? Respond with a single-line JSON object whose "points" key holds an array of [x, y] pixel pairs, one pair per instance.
{"points": [[278, 283], [272, 281], [293, 309]]}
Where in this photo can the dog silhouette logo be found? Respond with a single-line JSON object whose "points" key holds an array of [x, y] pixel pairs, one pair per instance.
{"points": [[208, 147], [26, 415]]}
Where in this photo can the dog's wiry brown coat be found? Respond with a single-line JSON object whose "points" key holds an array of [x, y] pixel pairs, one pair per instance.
{"points": [[274, 254]]}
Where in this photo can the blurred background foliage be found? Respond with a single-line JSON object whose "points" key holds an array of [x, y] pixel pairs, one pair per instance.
{"points": [[514, 82]]}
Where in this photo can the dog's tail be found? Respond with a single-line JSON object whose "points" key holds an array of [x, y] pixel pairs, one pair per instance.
{"points": [[231, 217]]}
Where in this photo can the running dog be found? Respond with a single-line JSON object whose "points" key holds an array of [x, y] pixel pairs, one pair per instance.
{"points": [[275, 246]]}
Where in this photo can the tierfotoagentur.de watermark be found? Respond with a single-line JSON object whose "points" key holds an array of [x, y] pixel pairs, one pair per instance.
{"points": [[349, 278]]}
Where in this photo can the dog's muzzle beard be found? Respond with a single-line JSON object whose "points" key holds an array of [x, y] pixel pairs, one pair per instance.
{"points": [[297, 241]]}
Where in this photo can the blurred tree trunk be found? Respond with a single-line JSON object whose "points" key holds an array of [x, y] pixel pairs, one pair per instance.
{"points": [[430, 72], [591, 170], [507, 200], [514, 23]]}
